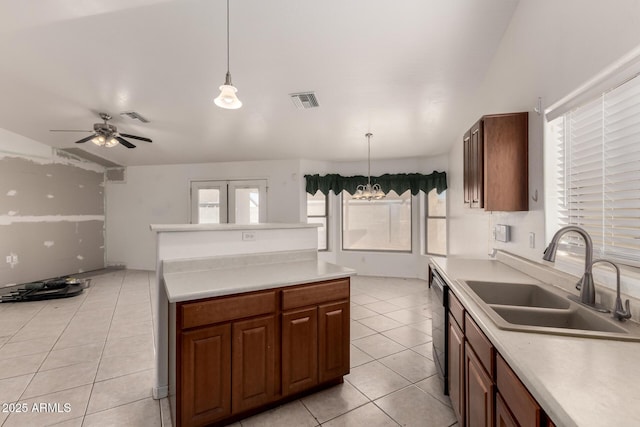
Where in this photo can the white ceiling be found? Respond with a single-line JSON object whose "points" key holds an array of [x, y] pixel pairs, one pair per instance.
{"points": [[400, 69]]}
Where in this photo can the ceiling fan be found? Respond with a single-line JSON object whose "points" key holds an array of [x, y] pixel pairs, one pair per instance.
{"points": [[105, 134]]}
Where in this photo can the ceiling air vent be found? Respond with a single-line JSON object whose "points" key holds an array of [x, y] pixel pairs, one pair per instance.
{"points": [[134, 116], [304, 100]]}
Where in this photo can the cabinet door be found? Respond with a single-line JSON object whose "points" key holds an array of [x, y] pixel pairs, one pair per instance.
{"points": [[205, 375], [253, 362], [466, 178], [503, 416], [456, 369], [479, 392], [334, 340], [477, 166], [299, 350]]}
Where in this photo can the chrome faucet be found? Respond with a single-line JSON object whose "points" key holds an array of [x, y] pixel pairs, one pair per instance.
{"points": [[586, 286], [619, 312]]}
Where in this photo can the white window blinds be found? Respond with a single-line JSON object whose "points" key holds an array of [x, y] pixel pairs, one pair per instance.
{"points": [[598, 148]]}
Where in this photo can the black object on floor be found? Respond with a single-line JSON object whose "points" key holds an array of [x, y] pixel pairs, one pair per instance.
{"points": [[49, 289]]}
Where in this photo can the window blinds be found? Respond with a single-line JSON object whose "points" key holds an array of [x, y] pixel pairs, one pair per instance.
{"points": [[598, 148]]}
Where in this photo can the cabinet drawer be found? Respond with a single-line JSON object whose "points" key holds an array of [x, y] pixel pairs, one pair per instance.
{"points": [[456, 309], [523, 406], [225, 309], [480, 344], [318, 293]]}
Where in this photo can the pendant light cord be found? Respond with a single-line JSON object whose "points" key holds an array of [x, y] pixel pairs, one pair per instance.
{"points": [[227, 36], [368, 135]]}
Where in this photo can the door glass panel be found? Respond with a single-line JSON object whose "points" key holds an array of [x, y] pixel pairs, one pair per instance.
{"points": [[247, 205], [209, 206]]}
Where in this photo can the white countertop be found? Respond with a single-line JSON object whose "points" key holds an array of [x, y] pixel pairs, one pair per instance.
{"points": [[577, 381], [191, 285], [225, 227]]}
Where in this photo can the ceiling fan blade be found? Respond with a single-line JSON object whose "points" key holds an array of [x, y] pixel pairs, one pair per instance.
{"points": [[135, 137], [125, 142], [68, 130], [87, 138]]}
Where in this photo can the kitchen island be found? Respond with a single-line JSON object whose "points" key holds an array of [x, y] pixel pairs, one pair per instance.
{"points": [[577, 381], [248, 330]]}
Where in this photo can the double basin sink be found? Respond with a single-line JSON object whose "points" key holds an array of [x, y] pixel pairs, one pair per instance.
{"points": [[544, 309]]}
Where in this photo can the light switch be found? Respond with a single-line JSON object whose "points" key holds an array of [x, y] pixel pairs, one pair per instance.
{"points": [[502, 232]]}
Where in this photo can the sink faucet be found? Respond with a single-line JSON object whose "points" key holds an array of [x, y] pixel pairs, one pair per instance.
{"points": [[619, 312], [586, 286]]}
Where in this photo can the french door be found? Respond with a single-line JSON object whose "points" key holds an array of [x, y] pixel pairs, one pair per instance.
{"points": [[220, 202]]}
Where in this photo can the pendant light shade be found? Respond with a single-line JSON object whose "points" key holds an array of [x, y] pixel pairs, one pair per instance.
{"points": [[228, 98], [369, 192]]}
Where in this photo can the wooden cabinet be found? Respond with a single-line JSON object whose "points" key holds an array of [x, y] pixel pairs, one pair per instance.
{"points": [[456, 369], [495, 164], [205, 383], [231, 356], [523, 408], [299, 350], [333, 340], [315, 335], [483, 389], [253, 362], [478, 392]]}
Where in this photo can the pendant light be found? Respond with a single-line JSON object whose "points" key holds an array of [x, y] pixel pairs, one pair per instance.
{"points": [[227, 98], [368, 192]]}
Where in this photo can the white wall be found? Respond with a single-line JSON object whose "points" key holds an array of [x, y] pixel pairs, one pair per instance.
{"points": [[377, 263], [550, 48], [160, 195]]}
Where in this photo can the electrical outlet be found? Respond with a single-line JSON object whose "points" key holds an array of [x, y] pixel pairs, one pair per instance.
{"points": [[532, 240], [248, 236], [9, 257], [14, 259]]}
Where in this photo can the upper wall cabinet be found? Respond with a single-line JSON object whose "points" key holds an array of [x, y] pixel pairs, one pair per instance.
{"points": [[496, 163]]}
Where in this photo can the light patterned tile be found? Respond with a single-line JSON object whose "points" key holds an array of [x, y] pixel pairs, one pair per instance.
{"points": [[145, 412], [407, 336], [410, 365], [358, 330], [378, 346], [413, 407], [380, 323], [375, 380], [290, 414], [358, 357], [72, 356], [434, 385], [64, 405], [121, 390], [25, 348], [382, 307], [116, 366], [333, 402], [54, 380], [21, 365], [368, 415]]}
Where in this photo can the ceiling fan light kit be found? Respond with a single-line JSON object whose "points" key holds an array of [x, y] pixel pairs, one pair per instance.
{"points": [[369, 192], [228, 98], [106, 134]]}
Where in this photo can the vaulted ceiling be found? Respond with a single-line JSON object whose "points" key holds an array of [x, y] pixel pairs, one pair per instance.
{"points": [[400, 69]]}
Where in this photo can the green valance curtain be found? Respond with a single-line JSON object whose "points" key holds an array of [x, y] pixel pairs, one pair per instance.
{"points": [[398, 182]]}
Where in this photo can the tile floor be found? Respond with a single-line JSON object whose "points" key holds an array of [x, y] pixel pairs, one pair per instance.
{"points": [[88, 361]]}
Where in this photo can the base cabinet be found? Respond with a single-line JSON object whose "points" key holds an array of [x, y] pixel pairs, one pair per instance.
{"points": [[235, 355], [478, 393], [456, 369], [206, 375], [484, 391], [299, 350], [253, 375]]}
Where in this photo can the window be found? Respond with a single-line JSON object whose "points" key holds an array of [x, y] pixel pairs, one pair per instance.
{"points": [[377, 225], [219, 202], [317, 213], [596, 156], [436, 223]]}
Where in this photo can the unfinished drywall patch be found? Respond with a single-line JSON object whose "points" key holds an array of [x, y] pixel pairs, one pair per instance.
{"points": [[31, 188], [50, 249], [51, 218]]}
